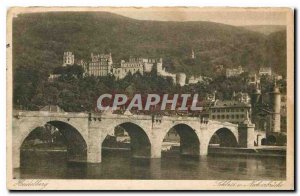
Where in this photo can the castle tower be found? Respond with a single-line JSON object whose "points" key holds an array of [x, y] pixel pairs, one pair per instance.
{"points": [[159, 67], [68, 59], [110, 61], [110, 64], [275, 100]]}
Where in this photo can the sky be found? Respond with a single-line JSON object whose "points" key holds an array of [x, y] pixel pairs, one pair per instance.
{"points": [[231, 16]]}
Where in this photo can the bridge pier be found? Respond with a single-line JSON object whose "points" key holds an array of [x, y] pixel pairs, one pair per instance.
{"points": [[94, 146], [16, 159], [155, 151], [203, 148], [155, 168], [94, 155], [246, 135]]}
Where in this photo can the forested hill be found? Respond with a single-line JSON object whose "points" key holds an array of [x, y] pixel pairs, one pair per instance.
{"points": [[266, 29], [40, 39]]}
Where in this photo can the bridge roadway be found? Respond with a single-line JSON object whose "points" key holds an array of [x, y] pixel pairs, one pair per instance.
{"points": [[85, 133]]}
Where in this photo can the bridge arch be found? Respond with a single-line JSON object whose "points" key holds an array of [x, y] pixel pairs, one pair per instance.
{"points": [[225, 137], [140, 141], [189, 139], [75, 140]]}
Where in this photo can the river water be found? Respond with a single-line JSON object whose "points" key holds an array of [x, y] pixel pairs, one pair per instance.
{"points": [[120, 165]]}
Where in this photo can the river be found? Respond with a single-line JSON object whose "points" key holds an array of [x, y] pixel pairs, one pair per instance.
{"points": [[120, 165]]}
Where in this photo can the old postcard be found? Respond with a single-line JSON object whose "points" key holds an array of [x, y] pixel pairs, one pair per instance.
{"points": [[158, 98]]}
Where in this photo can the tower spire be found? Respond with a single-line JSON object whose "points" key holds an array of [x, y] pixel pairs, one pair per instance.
{"points": [[193, 54]]}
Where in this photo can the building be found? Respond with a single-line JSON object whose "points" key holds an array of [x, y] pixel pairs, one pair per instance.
{"points": [[180, 79], [234, 72], [253, 79], [162, 72], [283, 114], [195, 80], [241, 97], [134, 65], [267, 71], [68, 59], [53, 77], [277, 77], [211, 97], [100, 65], [219, 69], [230, 111], [84, 65]]}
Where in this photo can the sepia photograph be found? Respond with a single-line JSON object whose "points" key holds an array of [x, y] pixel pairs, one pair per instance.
{"points": [[150, 98]]}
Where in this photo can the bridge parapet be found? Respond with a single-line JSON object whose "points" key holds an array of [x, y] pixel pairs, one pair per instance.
{"points": [[122, 116], [227, 124], [18, 113]]}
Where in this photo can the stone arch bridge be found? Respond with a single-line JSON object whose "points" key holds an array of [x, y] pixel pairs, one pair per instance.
{"points": [[85, 132]]}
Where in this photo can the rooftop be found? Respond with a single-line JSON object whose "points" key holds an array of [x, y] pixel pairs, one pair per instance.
{"points": [[230, 103]]}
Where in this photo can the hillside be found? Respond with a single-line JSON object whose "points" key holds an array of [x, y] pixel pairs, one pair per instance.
{"points": [[265, 29], [40, 39]]}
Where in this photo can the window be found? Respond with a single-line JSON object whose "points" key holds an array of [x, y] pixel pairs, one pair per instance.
{"points": [[242, 115], [237, 116], [213, 116], [218, 116], [232, 116], [227, 116], [223, 116]]}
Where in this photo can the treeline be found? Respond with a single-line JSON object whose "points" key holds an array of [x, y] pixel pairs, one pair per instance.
{"points": [[75, 93]]}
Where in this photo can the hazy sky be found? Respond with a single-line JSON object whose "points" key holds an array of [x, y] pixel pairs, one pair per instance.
{"points": [[228, 16]]}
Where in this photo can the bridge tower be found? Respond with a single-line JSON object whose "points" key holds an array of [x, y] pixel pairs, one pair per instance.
{"points": [[275, 106]]}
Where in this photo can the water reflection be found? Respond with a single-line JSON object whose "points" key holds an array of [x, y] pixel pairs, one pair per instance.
{"points": [[120, 165]]}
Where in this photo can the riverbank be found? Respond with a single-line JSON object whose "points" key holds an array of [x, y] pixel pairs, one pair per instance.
{"points": [[273, 151]]}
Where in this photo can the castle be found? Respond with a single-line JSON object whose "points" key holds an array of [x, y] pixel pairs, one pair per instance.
{"points": [[234, 72], [102, 65]]}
